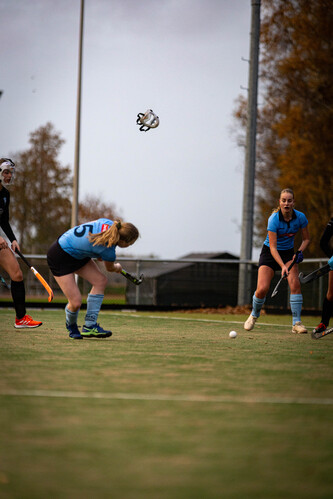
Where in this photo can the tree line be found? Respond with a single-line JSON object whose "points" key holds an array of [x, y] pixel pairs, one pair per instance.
{"points": [[295, 115], [294, 135], [41, 195]]}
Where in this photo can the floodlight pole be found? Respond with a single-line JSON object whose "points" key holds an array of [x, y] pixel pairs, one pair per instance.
{"points": [[244, 281], [75, 201]]}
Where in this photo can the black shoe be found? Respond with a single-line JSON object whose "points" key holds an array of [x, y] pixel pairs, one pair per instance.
{"points": [[74, 332]]}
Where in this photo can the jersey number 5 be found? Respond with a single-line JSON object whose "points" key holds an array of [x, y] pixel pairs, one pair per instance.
{"points": [[80, 231]]}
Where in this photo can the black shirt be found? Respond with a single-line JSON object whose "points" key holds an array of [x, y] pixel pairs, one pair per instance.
{"points": [[325, 239], [4, 214]]}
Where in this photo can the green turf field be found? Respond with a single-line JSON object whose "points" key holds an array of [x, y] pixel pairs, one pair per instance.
{"points": [[168, 407]]}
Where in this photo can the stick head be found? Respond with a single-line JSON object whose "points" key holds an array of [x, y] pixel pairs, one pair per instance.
{"points": [[136, 280], [132, 278]]}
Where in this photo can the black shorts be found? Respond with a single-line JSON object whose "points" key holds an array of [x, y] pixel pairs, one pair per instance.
{"points": [[267, 259], [61, 263]]}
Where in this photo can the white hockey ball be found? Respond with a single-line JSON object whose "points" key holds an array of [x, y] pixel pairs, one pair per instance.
{"points": [[232, 334]]}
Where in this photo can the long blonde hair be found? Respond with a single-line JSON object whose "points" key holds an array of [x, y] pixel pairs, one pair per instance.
{"points": [[287, 189], [119, 231]]}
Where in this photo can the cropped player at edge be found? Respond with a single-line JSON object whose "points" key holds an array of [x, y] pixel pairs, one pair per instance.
{"points": [[7, 257], [72, 254], [327, 309], [278, 252]]}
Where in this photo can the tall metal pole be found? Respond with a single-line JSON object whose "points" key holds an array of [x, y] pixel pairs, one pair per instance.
{"points": [[75, 202], [244, 282]]}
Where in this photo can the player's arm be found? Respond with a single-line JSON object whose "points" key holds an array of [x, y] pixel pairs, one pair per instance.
{"points": [[298, 256], [113, 267], [15, 246], [272, 236], [325, 239], [5, 225], [305, 239], [3, 243]]}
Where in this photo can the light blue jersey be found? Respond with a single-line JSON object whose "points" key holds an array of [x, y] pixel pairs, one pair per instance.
{"points": [[76, 242], [285, 231]]}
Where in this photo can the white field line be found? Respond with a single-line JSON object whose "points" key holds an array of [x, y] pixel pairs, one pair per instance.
{"points": [[168, 398], [136, 316]]}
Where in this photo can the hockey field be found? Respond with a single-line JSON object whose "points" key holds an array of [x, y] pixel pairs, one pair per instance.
{"points": [[169, 407]]}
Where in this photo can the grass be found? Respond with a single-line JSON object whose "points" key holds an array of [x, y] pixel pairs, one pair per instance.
{"points": [[168, 407], [114, 296]]}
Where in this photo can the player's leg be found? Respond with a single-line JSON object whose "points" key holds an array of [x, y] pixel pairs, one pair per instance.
{"points": [[296, 300], [91, 273], [327, 307], [11, 266], [265, 276], [70, 289], [98, 280]]}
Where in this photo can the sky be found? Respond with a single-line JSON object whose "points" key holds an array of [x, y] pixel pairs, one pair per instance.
{"points": [[181, 184]]}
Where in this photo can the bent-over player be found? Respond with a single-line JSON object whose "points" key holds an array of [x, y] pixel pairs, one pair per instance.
{"points": [[72, 254]]}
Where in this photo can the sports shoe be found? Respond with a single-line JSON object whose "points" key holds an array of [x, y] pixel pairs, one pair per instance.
{"points": [[298, 328], [250, 322], [95, 331], [319, 333], [26, 322], [74, 332], [320, 328]]}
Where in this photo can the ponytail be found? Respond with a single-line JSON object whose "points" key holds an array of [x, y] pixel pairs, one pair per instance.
{"points": [[126, 232]]}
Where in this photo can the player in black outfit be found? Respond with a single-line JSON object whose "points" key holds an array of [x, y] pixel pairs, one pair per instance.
{"points": [[7, 258], [328, 300]]}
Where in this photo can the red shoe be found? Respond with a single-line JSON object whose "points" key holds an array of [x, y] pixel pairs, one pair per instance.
{"points": [[26, 322]]}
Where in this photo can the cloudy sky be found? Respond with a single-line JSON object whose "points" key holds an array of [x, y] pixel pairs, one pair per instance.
{"points": [[181, 183]]}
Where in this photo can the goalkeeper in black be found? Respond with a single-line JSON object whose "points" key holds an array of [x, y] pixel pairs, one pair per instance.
{"points": [[7, 258]]}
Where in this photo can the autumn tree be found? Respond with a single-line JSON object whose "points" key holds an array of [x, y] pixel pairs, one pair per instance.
{"points": [[41, 196], [295, 119], [92, 207]]}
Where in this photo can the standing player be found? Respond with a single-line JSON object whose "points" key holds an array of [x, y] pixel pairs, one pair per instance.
{"points": [[278, 252], [7, 258], [72, 254], [328, 300]]}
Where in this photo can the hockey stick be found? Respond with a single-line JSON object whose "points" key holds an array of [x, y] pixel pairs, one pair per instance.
{"points": [[131, 277], [317, 336], [4, 283], [37, 274], [314, 275], [276, 289]]}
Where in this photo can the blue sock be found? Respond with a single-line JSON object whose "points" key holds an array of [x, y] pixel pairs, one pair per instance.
{"points": [[296, 302], [257, 304], [94, 303], [71, 317]]}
